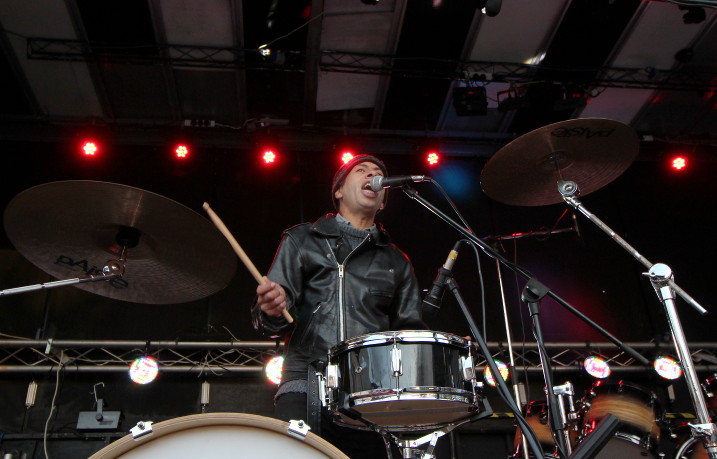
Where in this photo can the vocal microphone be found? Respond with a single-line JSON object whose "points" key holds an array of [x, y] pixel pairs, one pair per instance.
{"points": [[432, 301], [380, 182]]}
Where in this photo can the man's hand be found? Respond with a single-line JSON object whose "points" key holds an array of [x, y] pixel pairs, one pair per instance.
{"points": [[271, 298]]}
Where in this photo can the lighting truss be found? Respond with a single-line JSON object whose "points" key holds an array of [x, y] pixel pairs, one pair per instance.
{"points": [[375, 64], [237, 358]]}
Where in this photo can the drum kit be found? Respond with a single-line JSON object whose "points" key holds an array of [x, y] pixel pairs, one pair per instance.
{"points": [[412, 386]]}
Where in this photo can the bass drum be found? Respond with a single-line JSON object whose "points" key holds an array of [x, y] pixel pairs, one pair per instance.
{"points": [[220, 435], [636, 408]]}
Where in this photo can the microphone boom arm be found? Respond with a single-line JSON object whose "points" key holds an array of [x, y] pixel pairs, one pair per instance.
{"points": [[413, 194]]}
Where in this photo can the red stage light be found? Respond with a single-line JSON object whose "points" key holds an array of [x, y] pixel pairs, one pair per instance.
{"points": [[181, 151], [346, 156], [678, 163], [433, 158], [89, 148], [269, 157]]}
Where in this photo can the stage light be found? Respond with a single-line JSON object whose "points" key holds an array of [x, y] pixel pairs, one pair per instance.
{"points": [[143, 370], [502, 368], [181, 151], [597, 367], [433, 158], [678, 163], [268, 157], [346, 156], [274, 368], [667, 367], [89, 148]]}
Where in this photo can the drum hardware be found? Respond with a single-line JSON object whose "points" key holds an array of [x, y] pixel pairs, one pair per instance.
{"points": [[537, 415], [662, 280], [298, 429], [141, 429], [64, 227]]}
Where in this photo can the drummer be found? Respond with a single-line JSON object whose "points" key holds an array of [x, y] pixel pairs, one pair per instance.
{"points": [[314, 263]]}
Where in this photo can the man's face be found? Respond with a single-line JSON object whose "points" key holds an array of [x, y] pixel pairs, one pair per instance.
{"points": [[356, 195]]}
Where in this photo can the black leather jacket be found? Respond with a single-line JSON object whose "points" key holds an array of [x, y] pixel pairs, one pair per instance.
{"points": [[373, 289]]}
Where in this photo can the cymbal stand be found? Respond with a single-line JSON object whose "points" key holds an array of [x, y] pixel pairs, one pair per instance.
{"points": [[662, 279]]}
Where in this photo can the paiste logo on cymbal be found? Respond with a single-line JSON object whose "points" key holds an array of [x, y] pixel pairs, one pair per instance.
{"points": [[84, 266]]}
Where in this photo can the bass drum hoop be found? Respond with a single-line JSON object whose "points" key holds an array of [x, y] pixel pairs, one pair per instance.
{"points": [[177, 426]]}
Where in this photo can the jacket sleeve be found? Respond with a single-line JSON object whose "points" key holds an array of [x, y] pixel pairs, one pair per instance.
{"points": [[287, 271], [407, 302]]}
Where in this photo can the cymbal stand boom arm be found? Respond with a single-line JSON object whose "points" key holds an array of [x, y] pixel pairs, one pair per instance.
{"points": [[112, 270], [661, 277]]}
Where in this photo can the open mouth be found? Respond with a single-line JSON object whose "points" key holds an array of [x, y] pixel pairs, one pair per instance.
{"points": [[368, 191]]}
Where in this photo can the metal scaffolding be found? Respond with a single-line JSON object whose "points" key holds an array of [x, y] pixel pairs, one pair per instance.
{"points": [[238, 358], [376, 64]]}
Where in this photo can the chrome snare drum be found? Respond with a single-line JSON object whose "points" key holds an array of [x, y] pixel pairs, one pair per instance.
{"points": [[402, 380]]}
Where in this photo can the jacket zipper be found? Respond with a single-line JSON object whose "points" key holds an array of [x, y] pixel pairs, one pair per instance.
{"points": [[340, 266]]}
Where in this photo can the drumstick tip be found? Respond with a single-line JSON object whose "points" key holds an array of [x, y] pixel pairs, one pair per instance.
{"points": [[205, 206]]}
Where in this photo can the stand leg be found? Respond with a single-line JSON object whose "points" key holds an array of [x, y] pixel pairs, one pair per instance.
{"points": [[659, 274], [533, 292]]}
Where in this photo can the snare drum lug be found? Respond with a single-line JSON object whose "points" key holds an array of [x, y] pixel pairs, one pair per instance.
{"points": [[332, 376], [469, 373], [396, 360], [141, 429], [322, 389], [298, 429]]}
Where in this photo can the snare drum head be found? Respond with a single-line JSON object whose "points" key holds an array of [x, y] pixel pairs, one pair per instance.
{"points": [[220, 435]]}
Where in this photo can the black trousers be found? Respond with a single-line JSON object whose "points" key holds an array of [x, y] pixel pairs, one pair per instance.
{"points": [[356, 444]]}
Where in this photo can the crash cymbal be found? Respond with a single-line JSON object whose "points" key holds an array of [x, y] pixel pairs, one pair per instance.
{"points": [[70, 229], [592, 152]]}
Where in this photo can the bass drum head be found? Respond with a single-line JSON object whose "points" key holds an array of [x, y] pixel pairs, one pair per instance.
{"points": [[220, 435]]}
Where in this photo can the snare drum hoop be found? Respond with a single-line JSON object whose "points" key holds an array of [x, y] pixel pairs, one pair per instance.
{"points": [[159, 430], [413, 393], [402, 336]]}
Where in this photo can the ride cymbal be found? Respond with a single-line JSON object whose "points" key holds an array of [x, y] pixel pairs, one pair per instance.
{"points": [[591, 152], [71, 229]]}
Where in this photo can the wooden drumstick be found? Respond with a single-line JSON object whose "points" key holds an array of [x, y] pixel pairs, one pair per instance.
{"points": [[240, 252]]}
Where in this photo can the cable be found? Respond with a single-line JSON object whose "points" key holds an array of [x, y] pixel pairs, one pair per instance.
{"points": [[266, 45], [52, 408]]}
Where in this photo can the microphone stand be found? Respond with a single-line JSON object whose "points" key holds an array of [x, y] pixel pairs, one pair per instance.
{"points": [[661, 277], [528, 432], [413, 194], [533, 293]]}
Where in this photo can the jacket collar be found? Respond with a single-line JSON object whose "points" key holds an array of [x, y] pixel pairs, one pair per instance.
{"points": [[327, 226]]}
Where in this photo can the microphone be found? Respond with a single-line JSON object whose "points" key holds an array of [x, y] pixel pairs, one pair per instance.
{"points": [[380, 182], [432, 301]]}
